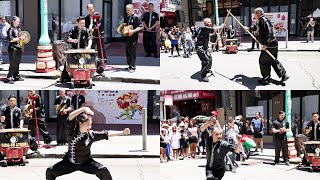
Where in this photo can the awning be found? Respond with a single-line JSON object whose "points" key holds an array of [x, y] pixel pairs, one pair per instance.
{"points": [[315, 14], [188, 94]]}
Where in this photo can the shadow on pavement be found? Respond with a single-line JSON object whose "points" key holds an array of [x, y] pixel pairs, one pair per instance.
{"points": [[196, 76]]}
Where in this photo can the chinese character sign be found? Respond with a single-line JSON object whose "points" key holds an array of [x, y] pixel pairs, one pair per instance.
{"points": [[279, 20]]}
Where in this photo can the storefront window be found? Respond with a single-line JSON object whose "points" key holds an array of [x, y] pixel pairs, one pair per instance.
{"points": [[53, 20], [4, 97], [69, 15], [310, 104], [118, 14]]}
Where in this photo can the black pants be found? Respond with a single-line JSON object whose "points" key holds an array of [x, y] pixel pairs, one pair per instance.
{"points": [[42, 129], [253, 43], [96, 45], [266, 62], [177, 48], [15, 59], [131, 48], [61, 128], [281, 145], [150, 42], [206, 60], [215, 174], [66, 167]]}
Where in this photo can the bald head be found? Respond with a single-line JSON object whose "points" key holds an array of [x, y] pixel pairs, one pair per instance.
{"points": [[90, 9], [207, 22]]}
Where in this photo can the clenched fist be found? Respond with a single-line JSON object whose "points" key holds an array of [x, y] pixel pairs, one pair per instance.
{"points": [[126, 131]]}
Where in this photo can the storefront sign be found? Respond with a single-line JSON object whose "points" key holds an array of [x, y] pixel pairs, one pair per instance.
{"points": [[171, 5], [116, 107], [142, 6], [186, 95], [251, 111], [5, 8], [279, 20]]}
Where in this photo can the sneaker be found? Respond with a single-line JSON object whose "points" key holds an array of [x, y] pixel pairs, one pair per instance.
{"points": [[132, 70], [288, 163], [284, 78], [18, 78], [205, 79], [261, 150]]}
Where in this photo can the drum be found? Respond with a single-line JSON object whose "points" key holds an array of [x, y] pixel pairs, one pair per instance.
{"points": [[81, 58], [312, 148], [14, 138]]}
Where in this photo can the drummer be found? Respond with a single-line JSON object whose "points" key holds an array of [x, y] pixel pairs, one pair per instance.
{"points": [[11, 115], [313, 128], [79, 36]]}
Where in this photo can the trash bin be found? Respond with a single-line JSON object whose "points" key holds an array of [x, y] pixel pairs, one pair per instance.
{"points": [[58, 52]]}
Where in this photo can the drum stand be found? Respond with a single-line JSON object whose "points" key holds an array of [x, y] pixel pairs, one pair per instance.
{"points": [[37, 128]]}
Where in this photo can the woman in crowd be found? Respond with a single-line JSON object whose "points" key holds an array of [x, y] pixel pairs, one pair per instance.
{"points": [[193, 139], [184, 140], [163, 146], [175, 141]]}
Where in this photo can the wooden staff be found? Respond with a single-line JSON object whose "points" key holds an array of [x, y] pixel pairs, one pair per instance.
{"points": [[219, 31], [252, 36]]}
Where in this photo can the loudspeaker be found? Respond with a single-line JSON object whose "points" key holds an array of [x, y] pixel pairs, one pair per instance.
{"points": [[180, 16], [222, 99]]}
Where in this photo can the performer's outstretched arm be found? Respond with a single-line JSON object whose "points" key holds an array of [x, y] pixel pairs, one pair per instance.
{"points": [[126, 131], [218, 27]]}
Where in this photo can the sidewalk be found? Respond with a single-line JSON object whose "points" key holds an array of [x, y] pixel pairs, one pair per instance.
{"points": [[115, 147], [148, 70], [294, 44]]}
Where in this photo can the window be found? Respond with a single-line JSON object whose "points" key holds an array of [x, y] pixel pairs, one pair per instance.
{"points": [[69, 15]]}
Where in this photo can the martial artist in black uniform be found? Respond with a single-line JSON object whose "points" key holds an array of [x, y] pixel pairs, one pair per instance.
{"points": [[202, 47], [269, 42], [313, 128], [62, 101], [217, 150], [11, 115], [79, 36], [78, 100], [132, 39], [150, 22], [39, 108], [280, 127], [78, 157], [230, 32], [14, 50]]}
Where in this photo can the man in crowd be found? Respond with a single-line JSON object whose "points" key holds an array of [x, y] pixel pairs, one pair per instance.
{"points": [[79, 36], [280, 127], [150, 23], [258, 131], [310, 30], [4, 27], [230, 32], [313, 128], [63, 108], [78, 100]]}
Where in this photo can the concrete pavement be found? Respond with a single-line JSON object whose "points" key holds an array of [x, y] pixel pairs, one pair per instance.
{"points": [[240, 71], [148, 70], [115, 147], [257, 167], [120, 169]]}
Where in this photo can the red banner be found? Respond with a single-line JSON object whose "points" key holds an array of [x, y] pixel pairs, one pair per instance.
{"points": [[188, 94]]}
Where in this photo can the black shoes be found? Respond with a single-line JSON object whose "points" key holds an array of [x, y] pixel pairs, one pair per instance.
{"points": [[205, 79], [284, 78], [263, 82]]}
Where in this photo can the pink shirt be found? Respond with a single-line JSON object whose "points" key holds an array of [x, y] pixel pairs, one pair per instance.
{"points": [[193, 131]]}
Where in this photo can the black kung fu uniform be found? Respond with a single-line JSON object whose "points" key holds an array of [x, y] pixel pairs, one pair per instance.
{"points": [[150, 38], [131, 41], [267, 38], [39, 108], [81, 35], [77, 101], [95, 33], [314, 134], [202, 49], [280, 140], [15, 53], [62, 118], [12, 117], [78, 157]]}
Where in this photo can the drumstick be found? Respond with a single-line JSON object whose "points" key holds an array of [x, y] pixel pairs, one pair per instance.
{"points": [[252, 36], [225, 21]]}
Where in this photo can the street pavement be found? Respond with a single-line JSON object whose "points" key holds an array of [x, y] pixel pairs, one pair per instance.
{"points": [[146, 76], [257, 167], [119, 146], [240, 71], [120, 169]]}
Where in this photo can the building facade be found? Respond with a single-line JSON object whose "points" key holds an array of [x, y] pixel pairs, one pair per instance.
{"points": [[62, 16], [298, 10]]}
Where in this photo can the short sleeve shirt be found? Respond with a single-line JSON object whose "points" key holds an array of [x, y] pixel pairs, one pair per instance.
{"points": [[135, 21], [277, 124]]}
